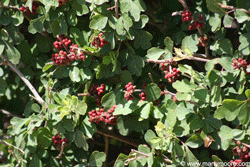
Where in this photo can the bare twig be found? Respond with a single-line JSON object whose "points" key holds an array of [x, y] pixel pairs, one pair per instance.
{"points": [[8, 113], [84, 51], [8, 144], [61, 151], [25, 80], [232, 8], [8, 7], [116, 9], [118, 137], [151, 78], [186, 57], [14, 155], [83, 94]]}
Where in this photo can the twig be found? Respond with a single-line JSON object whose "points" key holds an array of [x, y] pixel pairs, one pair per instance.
{"points": [[8, 144], [186, 57], [61, 151], [84, 51], [106, 150], [116, 9], [8, 113], [232, 8], [25, 80], [83, 94], [9, 7], [151, 78], [183, 4], [118, 137], [14, 155]]}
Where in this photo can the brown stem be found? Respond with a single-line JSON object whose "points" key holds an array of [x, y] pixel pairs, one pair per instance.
{"points": [[25, 80], [8, 7], [83, 94], [61, 151], [232, 8], [8, 144], [116, 9], [8, 113], [84, 51], [118, 137], [151, 78], [186, 57], [60, 39]]}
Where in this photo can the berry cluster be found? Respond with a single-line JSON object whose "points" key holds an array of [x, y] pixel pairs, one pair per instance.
{"points": [[243, 152], [97, 92], [171, 74], [98, 41], [239, 63], [202, 41], [72, 52], [197, 23], [100, 115], [142, 95], [24, 9], [62, 2], [186, 16], [129, 91], [58, 140]]}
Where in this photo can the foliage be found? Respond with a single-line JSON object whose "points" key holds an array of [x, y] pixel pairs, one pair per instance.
{"points": [[124, 82]]}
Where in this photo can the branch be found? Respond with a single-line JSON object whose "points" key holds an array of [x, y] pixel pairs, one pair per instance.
{"points": [[232, 8], [116, 9], [118, 137], [8, 113], [25, 80], [186, 57], [8, 144], [61, 151], [84, 51], [8, 7]]}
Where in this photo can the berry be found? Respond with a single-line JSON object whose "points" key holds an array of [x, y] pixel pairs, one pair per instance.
{"points": [[98, 41], [186, 16]]}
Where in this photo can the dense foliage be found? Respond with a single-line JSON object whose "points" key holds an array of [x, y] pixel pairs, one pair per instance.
{"points": [[124, 82]]}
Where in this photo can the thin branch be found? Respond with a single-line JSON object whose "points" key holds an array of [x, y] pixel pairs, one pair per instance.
{"points": [[8, 113], [8, 7], [8, 144], [186, 57], [61, 151], [83, 94], [232, 8], [116, 9], [151, 78], [14, 155], [84, 51], [106, 150], [25, 80], [118, 137]]}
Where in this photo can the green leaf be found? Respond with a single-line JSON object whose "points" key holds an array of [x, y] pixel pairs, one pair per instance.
{"points": [[146, 111], [142, 39], [229, 110], [85, 74], [184, 86], [97, 158], [88, 128], [80, 9], [247, 93], [74, 74], [169, 44], [153, 92], [109, 100], [98, 22], [97, 2], [243, 4], [214, 7], [142, 22], [189, 157], [11, 53], [244, 47], [154, 53], [36, 25], [1, 46], [228, 21], [215, 23], [80, 37], [44, 138], [135, 64], [120, 27], [125, 109], [71, 17], [35, 161], [241, 16], [194, 141], [127, 21], [81, 108], [240, 83], [190, 42], [226, 135], [126, 77], [47, 67], [68, 125], [80, 140]]}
